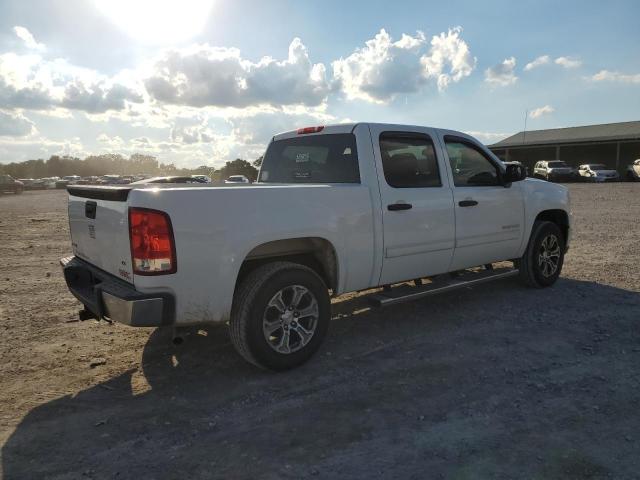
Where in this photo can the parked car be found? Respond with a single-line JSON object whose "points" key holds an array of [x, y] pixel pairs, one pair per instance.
{"points": [[44, 183], [27, 183], [633, 171], [93, 180], [597, 172], [174, 179], [112, 180], [68, 180], [204, 178], [515, 162], [8, 184], [336, 209], [554, 171], [237, 179]]}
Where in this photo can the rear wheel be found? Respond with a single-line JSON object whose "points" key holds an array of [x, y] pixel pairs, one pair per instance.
{"points": [[280, 315], [541, 264]]}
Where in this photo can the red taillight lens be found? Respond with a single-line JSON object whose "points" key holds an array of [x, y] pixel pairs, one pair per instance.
{"points": [[153, 250], [302, 131]]}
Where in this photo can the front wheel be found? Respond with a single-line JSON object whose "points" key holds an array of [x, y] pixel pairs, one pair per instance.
{"points": [[280, 315], [541, 264]]}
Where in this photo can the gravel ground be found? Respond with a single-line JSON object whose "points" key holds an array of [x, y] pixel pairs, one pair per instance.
{"points": [[498, 381]]}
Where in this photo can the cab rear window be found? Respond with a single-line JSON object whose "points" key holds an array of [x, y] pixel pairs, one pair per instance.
{"points": [[330, 158]]}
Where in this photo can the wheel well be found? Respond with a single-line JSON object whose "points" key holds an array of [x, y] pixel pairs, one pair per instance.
{"points": [[559, 217], [313, 252]]}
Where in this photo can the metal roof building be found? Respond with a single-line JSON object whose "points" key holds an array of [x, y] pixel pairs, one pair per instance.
{"points": [[613, 144]]}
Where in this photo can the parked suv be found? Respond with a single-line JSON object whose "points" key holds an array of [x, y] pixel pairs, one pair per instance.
{"points": [[9, 184], [554, 171]]}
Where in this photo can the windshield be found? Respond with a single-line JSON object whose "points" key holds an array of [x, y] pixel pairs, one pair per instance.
{"points": [[557, 164], [330, 158], [598, 167]]}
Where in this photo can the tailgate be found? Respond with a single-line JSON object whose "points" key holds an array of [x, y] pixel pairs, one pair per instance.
{"points": [[99, 227]]}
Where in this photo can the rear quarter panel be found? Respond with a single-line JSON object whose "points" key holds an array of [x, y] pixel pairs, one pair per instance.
{"points": [[215, 228]]}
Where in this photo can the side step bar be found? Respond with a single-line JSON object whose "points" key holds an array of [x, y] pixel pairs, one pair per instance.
{"points": [[407, 293]]}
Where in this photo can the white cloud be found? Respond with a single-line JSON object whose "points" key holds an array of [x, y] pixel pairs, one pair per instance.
{"points": [[25, 35], [110, 142], [210, 76], [34, 83], [568, 62], [538, 62], [502, 74], [98, 97], [15, 125], [448, 49], [609, 76], [384, 68], [540, 111], [19, 149], [487, 137]]}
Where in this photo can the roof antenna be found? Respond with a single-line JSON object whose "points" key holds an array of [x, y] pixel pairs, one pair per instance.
{"points": [[524, 132]]}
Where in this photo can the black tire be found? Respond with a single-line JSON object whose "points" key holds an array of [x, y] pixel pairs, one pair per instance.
{"points": [[251, 301], [533, 271]]}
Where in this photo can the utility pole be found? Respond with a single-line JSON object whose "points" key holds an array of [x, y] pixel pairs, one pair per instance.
{"points": [[524, 132]]}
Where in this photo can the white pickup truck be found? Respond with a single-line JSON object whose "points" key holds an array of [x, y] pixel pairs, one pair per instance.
{"points": [[335, 209]]}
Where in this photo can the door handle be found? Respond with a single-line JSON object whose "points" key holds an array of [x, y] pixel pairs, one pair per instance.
{"points": [[467, 203], [399, 206]]}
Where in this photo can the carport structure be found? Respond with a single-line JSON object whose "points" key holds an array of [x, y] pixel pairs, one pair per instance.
{"points": [[615, 145]]}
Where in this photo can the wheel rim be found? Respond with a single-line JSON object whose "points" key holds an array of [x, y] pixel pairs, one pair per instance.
{"points": [[290, 319], [549, 255]]}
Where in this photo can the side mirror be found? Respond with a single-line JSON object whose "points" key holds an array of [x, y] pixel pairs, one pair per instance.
{"points": [[514, 173]]}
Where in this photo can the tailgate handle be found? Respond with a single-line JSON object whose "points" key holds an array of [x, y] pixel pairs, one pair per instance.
{"points": [[90, 209]]}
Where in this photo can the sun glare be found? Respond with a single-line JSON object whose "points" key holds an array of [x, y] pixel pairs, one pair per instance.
{"points": [[157, 21]]}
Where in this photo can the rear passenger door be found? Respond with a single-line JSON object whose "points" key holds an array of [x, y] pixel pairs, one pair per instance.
{"points": [[417, 204], [489, 216]]}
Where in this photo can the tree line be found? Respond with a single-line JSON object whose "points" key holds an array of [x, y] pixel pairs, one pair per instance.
{"points": [[116, 164]]}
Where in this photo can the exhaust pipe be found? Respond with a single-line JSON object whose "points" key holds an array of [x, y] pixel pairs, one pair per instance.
{"points": [[179, 333]]}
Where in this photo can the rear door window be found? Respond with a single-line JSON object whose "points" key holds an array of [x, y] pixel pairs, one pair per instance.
{"points": [[329, 158], [409, 160]]}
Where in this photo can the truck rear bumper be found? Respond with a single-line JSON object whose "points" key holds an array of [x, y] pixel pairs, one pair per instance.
{"points": [[106, 296]]}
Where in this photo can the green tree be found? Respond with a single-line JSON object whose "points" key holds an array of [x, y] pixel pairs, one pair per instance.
{"points": [[239, 167]]}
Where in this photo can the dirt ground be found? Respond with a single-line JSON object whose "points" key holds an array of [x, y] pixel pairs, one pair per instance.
{"points": [[498, 381]]}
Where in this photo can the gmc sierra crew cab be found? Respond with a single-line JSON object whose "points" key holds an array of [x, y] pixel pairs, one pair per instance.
{"points": [[335, 209]]}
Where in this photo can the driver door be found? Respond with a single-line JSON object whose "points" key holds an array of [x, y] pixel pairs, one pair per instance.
{"points": [[489, 216]]}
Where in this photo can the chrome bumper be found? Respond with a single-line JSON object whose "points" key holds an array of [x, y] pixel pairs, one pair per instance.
{"points": [[106, 296]]}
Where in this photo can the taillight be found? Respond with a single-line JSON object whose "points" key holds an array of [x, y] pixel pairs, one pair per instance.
{"points": [[153, 251], [302, 131]]}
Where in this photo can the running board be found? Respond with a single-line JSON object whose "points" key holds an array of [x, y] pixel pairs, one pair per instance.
{"points": [[407, 293]]}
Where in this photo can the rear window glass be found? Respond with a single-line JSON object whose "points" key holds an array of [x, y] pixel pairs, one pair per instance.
{"points": [[328, 158]]}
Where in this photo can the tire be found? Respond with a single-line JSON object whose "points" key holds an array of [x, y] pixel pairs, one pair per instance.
{"points": [[535, 268], [258, 305]]}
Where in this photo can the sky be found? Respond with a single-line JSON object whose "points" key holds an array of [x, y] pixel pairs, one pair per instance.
{"points": [[201, 82]]}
